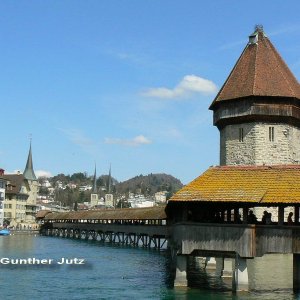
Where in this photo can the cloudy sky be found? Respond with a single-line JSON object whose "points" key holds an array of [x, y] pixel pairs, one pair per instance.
{"points": [[125, 82]]}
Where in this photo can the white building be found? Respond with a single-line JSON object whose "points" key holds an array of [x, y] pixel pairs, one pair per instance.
{"points": [[2, 196]]}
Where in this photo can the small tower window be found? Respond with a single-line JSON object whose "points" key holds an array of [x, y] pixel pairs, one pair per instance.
{"points": [[271, 134], [241, 134]]}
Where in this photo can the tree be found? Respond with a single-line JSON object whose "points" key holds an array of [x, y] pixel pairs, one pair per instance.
{"points": [[79, 177], [123, 204]]}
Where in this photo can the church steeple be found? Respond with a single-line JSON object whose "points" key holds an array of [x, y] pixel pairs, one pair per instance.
{"points": [[109, 181], [95, 182], [28, 172]]}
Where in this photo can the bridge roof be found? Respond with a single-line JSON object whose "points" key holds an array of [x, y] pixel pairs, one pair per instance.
{"points": [[148, 213], [253, 184], [42, 213]]}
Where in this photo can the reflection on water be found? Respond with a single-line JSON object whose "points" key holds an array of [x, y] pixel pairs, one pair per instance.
{"points": [[271, 272], [127, 273], [270, 277], [20, 244]]}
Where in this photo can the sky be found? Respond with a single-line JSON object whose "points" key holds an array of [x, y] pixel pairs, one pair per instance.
{"points": [[125, 82]]}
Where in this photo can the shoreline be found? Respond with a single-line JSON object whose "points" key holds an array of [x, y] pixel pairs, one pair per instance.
{"points": [[24, 232]]}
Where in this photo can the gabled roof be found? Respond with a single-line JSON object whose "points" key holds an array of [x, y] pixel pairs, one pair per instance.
{"points": [[253, 184], [15, 183], [260, 71]]}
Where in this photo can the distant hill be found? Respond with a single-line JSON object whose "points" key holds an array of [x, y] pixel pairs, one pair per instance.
{"points": [[149, 184]]}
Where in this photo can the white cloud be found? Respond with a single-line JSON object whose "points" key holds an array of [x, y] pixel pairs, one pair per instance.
{"points": [[134, 142], [188, 85], [43, 173]]}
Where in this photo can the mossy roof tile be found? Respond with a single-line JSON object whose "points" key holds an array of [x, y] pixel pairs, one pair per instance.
{"points": [[260, 184]]}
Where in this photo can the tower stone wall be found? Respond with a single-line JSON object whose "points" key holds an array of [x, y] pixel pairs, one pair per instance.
{"points": [[255, 144]]}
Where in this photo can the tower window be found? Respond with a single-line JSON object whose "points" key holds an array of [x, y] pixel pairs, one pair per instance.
{"points": [[271, 134], [241, 134]]}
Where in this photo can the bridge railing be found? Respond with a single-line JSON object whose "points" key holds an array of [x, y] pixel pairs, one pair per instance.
{"points": [[151, 230]]}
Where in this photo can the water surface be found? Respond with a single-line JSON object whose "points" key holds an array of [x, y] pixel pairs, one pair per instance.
{"points": [[113, 272]]}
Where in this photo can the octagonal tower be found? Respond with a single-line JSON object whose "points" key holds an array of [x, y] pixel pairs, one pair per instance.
{"points": [[257, 110]]}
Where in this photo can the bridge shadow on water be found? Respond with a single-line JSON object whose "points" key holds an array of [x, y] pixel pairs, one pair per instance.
{"points": [[205, 278]]}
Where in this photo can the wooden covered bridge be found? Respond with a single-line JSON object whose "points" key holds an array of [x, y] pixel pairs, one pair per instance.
{"points": [[207, 218], [212, 217], [144, 227]]}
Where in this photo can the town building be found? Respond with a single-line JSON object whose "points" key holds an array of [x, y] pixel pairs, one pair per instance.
{"points": [[2, 196], [161, 197], [20, 197]]}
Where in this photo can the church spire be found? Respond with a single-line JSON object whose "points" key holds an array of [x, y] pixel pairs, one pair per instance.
{"points": [[95, 182], [109, 180], [28, 172]]}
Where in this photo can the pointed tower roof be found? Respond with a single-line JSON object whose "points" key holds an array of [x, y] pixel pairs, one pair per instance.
{"points": [[109, 180], [28, 172], [260, 71], [95, 182]]}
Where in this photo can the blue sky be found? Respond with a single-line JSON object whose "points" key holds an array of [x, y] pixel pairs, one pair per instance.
{"points": [[125, 82]]}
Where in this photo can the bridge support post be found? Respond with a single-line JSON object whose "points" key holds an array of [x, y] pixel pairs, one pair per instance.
{"points": [[181, 271], [297, 214], [296, 272], [240, 275], [280, 215], [223, 267], [219, 266], [210, 263], [227, 268]]}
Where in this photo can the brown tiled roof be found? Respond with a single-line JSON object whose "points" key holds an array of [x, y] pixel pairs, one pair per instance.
{"points": [[260, 71], [42, 213], [256, 184], [149, 213], [15, 183]]}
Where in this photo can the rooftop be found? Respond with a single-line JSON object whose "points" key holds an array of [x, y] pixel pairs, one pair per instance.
{"points": [[259, 71], [253, 184], [149, 213]]}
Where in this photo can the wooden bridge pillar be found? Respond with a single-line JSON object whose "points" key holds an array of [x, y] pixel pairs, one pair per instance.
{"points": [[219, 266], [280, 215], [245, 214], [296, 214], [240, 275], [181, 271]]}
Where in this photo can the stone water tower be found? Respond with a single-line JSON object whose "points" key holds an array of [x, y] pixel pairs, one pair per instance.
{"points": [[257, 110]]}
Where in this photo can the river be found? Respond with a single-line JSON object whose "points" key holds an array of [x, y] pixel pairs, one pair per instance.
{"points": [[113, 272]]}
